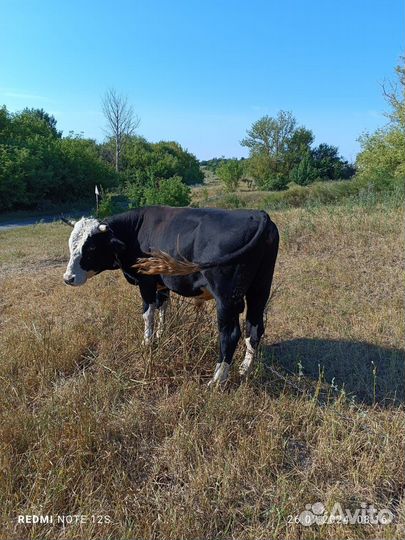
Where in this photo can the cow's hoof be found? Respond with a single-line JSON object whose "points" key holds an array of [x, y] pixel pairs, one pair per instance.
{"points": [[245, 368], [146, 342], [220, 374]]}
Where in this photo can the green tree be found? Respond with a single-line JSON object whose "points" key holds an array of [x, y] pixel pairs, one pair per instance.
{"points": [[304, 173], [269, 140], [38, 165], [329, 164], [32, 122], [382, 159], [395, 95], [82, 168], [230, 173], [271, 136], [14, 163], [298, 146], [28, 142]]}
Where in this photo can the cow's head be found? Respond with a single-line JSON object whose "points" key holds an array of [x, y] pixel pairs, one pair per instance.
{"points": [[93, 248]]}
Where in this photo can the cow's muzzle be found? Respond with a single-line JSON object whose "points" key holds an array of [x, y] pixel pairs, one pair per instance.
{"points": [[78, 278]]}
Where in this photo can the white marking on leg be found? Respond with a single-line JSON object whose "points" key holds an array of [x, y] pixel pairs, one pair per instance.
{"points": [[220, 374], [249, 358], [162, 318], [149, 317]]}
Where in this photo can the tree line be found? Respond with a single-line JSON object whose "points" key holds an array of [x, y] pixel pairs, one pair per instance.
{"points": [[40, 167], [281, 152]]}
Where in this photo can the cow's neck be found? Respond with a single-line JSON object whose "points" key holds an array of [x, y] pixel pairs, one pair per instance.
{"points": [[125, 227]]}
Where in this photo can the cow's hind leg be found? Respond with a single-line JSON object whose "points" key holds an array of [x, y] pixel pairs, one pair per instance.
{"points": [[254, 329], [229, 334], [256, 300]]}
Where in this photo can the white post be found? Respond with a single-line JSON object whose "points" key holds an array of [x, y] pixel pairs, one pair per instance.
{"points": [[96, 191]]}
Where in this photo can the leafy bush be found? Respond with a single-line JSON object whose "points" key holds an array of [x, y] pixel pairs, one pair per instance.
{"points": [[143, 162], [382, 156], [171, 191], [135, 193], [112, 203], [260, 168], [230, 172]]}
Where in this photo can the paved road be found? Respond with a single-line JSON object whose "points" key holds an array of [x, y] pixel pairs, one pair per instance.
{"points": [[24, 222]]}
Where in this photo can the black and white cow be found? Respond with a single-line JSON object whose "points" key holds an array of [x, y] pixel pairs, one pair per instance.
{"points": [[227, 255]]}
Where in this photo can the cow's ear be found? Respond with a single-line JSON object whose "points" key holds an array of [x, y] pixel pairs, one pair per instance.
{"points": [[118, 246]]}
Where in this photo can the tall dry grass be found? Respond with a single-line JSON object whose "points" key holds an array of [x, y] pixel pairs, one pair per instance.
{"points": [[92, 424]]}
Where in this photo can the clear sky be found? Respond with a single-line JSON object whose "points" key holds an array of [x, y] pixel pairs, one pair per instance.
{"points": [[200, 72]]}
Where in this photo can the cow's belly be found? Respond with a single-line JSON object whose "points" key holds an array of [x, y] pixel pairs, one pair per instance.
{"points": [[190, 286]]}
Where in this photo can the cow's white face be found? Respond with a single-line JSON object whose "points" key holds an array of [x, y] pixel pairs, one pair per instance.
{"points": [[90, 251]]}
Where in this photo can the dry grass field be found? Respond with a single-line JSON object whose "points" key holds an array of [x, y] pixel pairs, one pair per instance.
{"points": [[131, 439]]}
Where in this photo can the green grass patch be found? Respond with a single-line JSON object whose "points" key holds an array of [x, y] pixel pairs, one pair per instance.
{"points": [[357, 191]]}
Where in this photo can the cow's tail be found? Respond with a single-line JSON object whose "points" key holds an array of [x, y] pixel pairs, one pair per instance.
{"points": [[162, 263]]}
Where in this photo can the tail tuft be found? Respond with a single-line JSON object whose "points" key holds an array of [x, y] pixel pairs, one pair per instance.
{"points": [[162, 263]]}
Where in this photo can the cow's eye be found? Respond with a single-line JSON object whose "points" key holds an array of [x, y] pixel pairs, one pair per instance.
{"points": [[91, 248]]}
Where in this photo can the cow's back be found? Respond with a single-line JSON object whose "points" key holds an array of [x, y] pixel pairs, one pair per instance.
{"points": [[203, 234]]}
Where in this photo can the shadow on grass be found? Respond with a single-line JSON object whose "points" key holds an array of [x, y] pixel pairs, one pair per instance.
{"points": [[369, 373]]}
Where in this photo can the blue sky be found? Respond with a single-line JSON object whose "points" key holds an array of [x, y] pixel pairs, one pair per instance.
{"points": [[201, 72]]}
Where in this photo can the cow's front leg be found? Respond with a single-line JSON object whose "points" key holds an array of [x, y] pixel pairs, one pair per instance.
{"points": [[149, 318], [229, 334], [147, 288], [162, 303]]}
